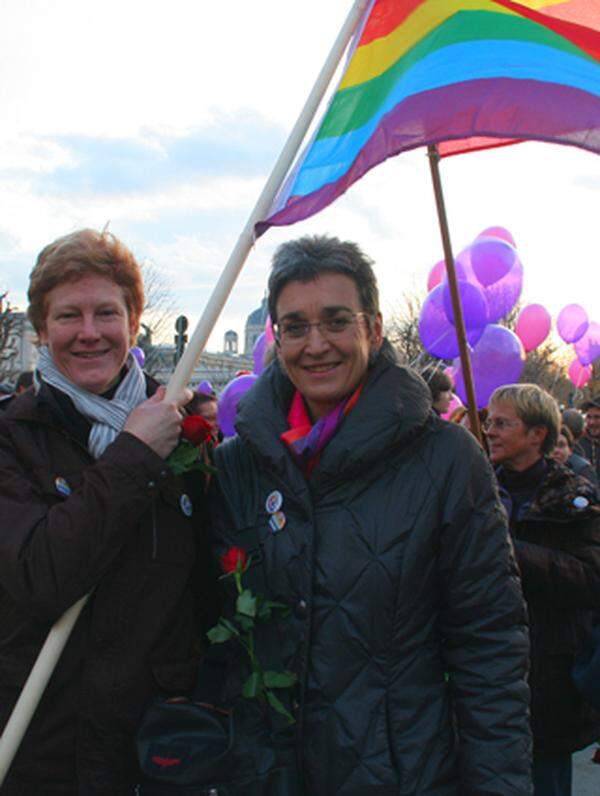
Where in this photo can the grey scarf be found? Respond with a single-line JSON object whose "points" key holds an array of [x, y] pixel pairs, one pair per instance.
{"points": [[107, 417]]}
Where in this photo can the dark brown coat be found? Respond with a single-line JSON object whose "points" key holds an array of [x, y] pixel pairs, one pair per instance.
{"points": [[557, 540], [121, 533]]}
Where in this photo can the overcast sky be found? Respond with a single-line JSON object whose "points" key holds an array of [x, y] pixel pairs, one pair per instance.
{"points": [[166, 118]]}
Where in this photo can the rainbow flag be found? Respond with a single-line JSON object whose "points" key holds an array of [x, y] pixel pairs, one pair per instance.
{"points": [[421, 72]]}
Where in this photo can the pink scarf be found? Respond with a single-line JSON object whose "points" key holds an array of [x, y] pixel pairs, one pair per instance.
{"points": [[306, 440]]}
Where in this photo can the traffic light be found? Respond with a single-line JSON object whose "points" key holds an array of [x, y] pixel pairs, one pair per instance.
{"points": [[181, 325]]}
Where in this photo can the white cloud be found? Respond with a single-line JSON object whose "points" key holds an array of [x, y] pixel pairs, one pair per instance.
{"points": [[149, 76]]}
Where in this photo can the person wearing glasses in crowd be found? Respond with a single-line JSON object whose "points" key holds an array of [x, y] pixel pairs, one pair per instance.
{"points": [[378, 525], [555, 523]]}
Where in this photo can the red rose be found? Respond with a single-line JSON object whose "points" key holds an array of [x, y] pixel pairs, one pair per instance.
{"points": [[231, 558], [196, 429]]}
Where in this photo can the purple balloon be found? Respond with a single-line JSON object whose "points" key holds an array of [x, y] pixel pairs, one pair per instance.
{"points": [[492, 259], [228, 401], [572, 323], [205, 388], [258, 353], [587, 347], [437, 334], [474, 305], [497, 359], [501, 296], [138, 353]]}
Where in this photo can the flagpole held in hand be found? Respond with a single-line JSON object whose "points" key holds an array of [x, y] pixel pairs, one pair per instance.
{"points": [[57, 638]]}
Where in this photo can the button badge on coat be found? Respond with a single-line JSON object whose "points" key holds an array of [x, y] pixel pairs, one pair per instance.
{"points": [[274, 502], [581, 502], [277, 521], [186, 505], [62, 486]]}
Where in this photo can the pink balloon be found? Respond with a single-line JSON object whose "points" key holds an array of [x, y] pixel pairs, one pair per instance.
{"points": [[436, 275], [572, 323], [587, 347], [454, 404], [498, 232], [533, 326], [579, 374], [269, 333]]}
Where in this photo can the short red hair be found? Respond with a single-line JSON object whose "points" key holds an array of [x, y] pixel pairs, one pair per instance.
{"points": [[80, 254]]}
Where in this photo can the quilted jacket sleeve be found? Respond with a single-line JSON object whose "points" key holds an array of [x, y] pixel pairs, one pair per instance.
{"points": [[484, 628], [55, 549]]}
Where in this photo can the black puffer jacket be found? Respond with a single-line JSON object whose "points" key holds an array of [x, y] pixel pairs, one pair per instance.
{"points": [[557, 539], [396, 559], [71, 525]]}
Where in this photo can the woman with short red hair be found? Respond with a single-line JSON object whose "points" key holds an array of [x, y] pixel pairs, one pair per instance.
{"points": [[89, 504]]}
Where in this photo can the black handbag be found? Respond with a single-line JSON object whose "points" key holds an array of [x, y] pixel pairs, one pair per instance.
{"points": [[187, 747], [195, 747]]}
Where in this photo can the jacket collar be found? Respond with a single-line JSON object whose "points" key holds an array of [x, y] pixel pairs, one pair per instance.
{"points": [[563, 496], [42, 407], [394, 405]]}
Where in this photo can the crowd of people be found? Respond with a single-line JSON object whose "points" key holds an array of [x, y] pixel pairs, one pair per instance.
{"points": [[422, 596]]}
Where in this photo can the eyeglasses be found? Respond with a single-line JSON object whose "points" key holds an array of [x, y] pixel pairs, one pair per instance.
{"points": [[499, 423], [329, 328]]}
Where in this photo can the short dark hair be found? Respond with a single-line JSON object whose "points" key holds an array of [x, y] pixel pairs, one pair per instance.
{"points": [[575, 422], [24, 380], [566, 432], [305, 259], [437, 381]]}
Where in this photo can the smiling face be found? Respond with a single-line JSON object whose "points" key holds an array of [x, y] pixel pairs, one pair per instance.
{"points": [[87, 331], [511, 442], [325, 367], [592, 422]]}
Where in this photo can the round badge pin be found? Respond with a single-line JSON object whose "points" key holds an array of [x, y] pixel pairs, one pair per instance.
{"points": [[274, 502], [186, 505], [277, 521], [580, 502], [62, 486]]}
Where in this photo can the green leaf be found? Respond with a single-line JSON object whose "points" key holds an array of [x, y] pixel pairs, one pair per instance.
{"points": [[246, 603], [245, 622], [264, 612], [271, 604], [252, 686], [230, 626], [277, 705], [219, 634], [279, 679], [183, 457]]}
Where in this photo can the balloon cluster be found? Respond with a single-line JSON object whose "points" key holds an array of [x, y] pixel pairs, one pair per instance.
{"points": [[490, 279], [233, 391], [574, 327]]}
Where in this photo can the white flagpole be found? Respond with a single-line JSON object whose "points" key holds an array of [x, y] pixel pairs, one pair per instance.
{"points": [[57, 638], [238, 256]]}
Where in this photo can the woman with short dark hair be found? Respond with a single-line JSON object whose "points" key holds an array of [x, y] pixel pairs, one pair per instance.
{"points": [[377, 525]]}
